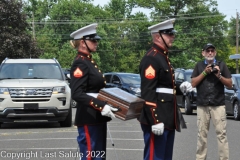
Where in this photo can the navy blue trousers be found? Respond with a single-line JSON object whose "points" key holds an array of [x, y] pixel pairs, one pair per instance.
{"points": [[158, 147], [92, 141]]}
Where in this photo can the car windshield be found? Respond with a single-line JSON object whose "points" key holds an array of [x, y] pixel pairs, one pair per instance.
{"points": [[131, 78], [30, 71], [188, 76]]}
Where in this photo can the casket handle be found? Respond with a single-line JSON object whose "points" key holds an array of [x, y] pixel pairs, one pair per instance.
{"points": [[119, 109]]}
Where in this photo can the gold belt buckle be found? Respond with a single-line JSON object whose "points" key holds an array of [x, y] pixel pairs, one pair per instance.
{"points": [[174, 91]]}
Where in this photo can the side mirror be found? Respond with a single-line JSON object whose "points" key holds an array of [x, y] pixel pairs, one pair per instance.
{"points": [[234, 87], [68, 76]]}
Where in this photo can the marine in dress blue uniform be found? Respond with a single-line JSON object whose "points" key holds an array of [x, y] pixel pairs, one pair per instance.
{"points": [[159, 117], [86, 81]]}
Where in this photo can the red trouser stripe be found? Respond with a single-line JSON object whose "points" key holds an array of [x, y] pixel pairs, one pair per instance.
{"points": [[88, 141], [151, 147]]}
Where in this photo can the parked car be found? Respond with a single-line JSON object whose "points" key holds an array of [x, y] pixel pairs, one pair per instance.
{"points": [[129, 82], [34, 89], [185, 100], [232, 98], [66, 72]]}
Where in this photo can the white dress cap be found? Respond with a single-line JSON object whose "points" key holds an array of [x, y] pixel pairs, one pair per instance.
{"points": [[168, 24], [85, 31]]}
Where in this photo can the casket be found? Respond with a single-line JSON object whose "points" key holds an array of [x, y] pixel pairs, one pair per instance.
{"points": [[129, 106]]}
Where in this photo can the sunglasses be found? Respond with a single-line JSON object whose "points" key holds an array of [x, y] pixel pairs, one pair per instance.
{"points": [[94, 40], [168, 32], [210, 50]]}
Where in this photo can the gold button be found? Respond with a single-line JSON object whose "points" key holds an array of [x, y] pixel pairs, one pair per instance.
{"points": [[155, 115], [167, 70], [164, 52], [174, 91], [105, 82], [91, 102], [92, 61], [162, 100], [95, 66], [154, 50], [173, 75], [99, 71], [173, 81], [157, 120], [103, 76], [95, 105], [175, 87], [100, 107], [169, 63], [153, 109]]}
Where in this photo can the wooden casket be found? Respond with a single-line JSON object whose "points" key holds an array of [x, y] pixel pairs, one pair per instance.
{"points": [[129, 106]]}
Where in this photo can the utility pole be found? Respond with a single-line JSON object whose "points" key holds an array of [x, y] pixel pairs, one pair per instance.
{"points": [[34, 37], [237, 41]]}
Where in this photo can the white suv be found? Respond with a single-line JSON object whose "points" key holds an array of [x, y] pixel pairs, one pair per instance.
{"points": [[34, 89]]}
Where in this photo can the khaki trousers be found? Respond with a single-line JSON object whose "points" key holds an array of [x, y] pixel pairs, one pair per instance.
{"points": [[218, 116]]}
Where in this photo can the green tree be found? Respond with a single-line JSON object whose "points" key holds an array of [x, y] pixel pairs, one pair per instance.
{"points": [[230, 62], [208, 26], [125, 36], [232, 32], [232, 44], [198, 22], [54, 26], [15, 40]]}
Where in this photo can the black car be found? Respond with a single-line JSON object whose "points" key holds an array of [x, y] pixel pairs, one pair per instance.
{"points": [[185, 100], [232, 97], [129, 82]]}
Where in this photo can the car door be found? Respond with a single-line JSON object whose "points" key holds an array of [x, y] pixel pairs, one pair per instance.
{"points": [[179, 79], [229, 94]]}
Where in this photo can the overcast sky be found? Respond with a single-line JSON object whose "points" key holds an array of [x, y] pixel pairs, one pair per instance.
{"points": [[227, 7]]}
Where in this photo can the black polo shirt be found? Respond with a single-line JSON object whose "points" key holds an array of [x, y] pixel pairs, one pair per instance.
{"points": [[210, 91]]}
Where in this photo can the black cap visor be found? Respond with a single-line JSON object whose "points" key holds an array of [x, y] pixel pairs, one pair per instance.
{"points": [[92, 37]]}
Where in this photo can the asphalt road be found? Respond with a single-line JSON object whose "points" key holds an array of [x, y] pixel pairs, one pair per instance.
{"points": [[48, 141]]}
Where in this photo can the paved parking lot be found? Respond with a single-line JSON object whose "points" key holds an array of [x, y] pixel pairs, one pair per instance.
{"points": [[48, 141]]}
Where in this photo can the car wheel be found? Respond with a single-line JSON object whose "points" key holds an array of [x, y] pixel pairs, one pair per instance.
{"points": [[73, 103], [236, 111], [187, 106], [68, 121]]}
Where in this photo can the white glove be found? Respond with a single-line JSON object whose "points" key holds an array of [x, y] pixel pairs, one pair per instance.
{"points": [[186, 87], [158, 129], [107, 111]]}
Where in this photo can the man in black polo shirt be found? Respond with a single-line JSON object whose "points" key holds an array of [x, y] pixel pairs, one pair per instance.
{"points": [[209, 77]]}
